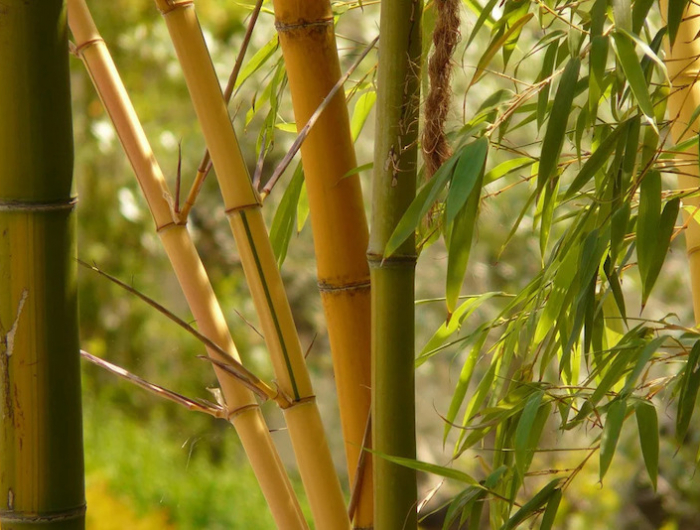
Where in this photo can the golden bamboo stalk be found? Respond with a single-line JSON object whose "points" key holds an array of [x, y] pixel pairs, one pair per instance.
{"points": [[244, 412], [683, 64], [245, 217], [307, 38]]}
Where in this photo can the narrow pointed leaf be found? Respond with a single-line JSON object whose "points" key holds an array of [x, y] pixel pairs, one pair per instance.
{"points": [[363, 106], [426, 467], [689, 384], [624, 47], [674, 16], [611, 434], [648, 427], [663, 240], [558, 118], [551, 511], [530, 507], [466, 173], [648, 221], [283, 223]]}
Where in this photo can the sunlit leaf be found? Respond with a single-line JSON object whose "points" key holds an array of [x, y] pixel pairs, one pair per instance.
{"points": [[257, 61], [363, 106], [624, 47], [282, 226], [674, 16], [667, 222], [533, 505], [467, 171]]}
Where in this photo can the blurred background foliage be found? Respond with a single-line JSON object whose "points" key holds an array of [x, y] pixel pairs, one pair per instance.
{"points": [[151, 464]]}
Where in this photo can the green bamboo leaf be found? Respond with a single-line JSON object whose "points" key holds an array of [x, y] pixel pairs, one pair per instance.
{"points": [[426, 467], [465, 378], [530, 507], [460, 244], [495, 45], [624, 48], [549, 204], [648, 427], [642, 361], [423, 201], [667, 222], [689, 386], [526, 433], [649, 53], [363, 107], [359, 169], [639, 14], [257, 61], [597, 160], [302, 208], [611, 433], [674, 16], [648, 221], [556, 128], [484, 15], [506, 168], [468, 169], [597, 64], [283, 223], [551, 511], [622, 14], [548, 62]]}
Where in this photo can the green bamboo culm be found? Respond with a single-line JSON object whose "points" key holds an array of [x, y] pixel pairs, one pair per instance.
{"points": [[394, 187], [41, 448]]}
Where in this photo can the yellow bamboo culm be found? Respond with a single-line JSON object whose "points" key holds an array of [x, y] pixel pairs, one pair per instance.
{"points": [[683, 64], [307, 39], [244, 211], [245, 414]]}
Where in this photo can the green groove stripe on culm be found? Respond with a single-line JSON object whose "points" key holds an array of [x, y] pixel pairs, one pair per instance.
{"points": [[251, 243]]}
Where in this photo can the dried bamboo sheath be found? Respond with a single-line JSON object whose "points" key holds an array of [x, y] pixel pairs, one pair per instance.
{"points": [[245, 217], [307, 39], [245, 414]]}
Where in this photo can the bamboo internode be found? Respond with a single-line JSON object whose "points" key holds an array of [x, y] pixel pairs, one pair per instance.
{"points": [[307, 39], [393, 189], [260, 268], [41, 445], [244, 413], [683, 64]]}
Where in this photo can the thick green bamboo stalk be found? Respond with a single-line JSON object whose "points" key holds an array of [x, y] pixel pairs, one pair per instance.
{"points": [[41, 448], [307, 38], [394, 186]]}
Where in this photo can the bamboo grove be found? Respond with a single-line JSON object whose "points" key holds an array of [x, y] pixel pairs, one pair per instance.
{"points": [[556, 138]]}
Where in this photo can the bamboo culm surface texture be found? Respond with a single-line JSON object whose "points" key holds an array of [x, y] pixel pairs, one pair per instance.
{"points": [[41, 448], [244, 412]]}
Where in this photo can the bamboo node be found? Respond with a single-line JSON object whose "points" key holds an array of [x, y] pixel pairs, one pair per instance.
{"points": [[12, 517], [235, 209], [20, 206], [693, 250], [166, 6], [78, 49], [327, 287], [231, 414], [282, 27], [307, 400]]}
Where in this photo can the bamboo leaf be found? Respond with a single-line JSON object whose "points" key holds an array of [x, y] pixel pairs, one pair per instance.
{"points": [[551, 511], [556, 128], [534, 504], [648, 427], [302, 208], [259, 59], [468, 169], [622, 14], [648, 221], [425, 198], [597, 63], [689, 384], [597, 160], [674, 16], [506, 168], [526, 436], [611, 433], [624, 48], [639, 14], [363, 107], [460, 244], [484, 14], [426, 467], [663, 240], [546, 71], [649, 53], [283, 223], [495, 45], [642, 360]]}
